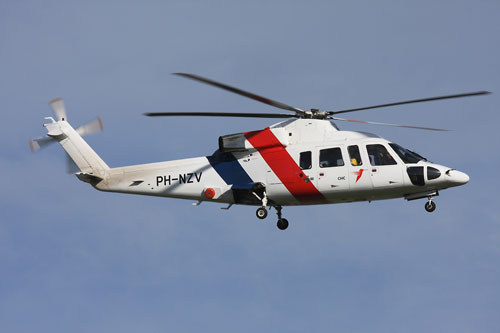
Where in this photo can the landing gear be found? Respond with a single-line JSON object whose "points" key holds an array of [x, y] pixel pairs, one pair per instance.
{"points": [[261, 213], [259, 191], [430, 206], [282, 223]]}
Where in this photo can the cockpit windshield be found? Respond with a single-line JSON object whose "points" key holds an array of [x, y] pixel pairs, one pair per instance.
{"points": [[406, 155]]}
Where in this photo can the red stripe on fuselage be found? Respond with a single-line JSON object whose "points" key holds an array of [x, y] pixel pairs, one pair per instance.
{"points": [[284, 166]]}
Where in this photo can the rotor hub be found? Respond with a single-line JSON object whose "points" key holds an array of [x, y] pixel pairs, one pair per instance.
{"points": [[313, 114]]}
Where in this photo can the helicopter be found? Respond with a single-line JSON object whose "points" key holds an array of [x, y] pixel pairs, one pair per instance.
{"points": [[304, 159]]}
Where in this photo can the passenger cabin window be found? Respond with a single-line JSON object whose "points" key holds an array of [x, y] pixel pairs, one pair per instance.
{"points": [[331, 157], [354, 155], [305, 160], [379, 155]]}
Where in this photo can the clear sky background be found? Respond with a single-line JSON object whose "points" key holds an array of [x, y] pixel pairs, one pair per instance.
{"points": [[73, 259]]}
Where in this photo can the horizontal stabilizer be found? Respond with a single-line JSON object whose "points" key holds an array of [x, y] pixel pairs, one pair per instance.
{"points": [[88, 178]]}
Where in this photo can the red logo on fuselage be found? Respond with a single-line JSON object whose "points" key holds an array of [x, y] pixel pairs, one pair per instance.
{"points": [[359, 173]]}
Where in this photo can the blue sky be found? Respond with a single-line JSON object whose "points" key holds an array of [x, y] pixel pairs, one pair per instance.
{"points": [[74, 259]]}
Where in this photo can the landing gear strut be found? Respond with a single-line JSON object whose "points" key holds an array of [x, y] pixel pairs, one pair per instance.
{"points": [[430, 206], [282, 223], [259, 191]]}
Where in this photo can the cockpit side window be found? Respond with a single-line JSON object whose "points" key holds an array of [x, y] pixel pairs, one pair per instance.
{"points": [[354, 155], [406, 155], [305, 160], [379, 155]]}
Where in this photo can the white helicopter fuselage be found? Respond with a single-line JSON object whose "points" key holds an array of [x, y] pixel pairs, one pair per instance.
{"points": [[295, 162], [305, 160]]}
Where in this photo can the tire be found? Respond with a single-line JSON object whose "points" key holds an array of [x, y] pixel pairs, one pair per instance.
{"points": [[261, 213], [430, 206], [282, 224]]}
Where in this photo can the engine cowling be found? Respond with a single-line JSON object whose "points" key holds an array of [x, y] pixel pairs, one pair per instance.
{"points": [[233, 142]]}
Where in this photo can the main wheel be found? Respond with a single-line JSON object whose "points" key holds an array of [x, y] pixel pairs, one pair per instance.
{"points": [[261, 213], [282, 224], [430, 206]]}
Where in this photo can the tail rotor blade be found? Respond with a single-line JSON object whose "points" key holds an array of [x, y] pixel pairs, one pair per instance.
{"points": [[58, 108], [90, 128], [36, 144]]}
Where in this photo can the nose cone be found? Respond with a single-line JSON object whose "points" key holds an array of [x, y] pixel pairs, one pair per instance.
{"points": [[457, 178]]}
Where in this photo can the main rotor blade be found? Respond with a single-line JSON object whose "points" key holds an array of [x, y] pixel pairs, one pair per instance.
{"points": [[387, 124], [242, 92], [218, 114], [412, 101]]}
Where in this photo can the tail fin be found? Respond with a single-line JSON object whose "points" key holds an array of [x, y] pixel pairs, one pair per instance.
{"points": [[78, 149], [93, 168]]}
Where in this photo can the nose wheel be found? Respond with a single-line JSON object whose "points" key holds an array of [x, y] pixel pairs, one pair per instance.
{"points": [[430, 206]]}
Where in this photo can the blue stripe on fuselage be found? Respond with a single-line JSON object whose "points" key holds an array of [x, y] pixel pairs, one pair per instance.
{"points": [[228, 167]]}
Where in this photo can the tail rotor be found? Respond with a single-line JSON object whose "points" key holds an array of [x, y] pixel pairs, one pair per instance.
{"points": [[59, 110]]}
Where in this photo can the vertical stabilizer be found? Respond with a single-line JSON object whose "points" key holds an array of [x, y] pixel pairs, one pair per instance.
{"points": [[92, 167], [78, 149]]}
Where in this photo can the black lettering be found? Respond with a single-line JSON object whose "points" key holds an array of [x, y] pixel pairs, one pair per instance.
{"points": [[182, 178], [196, 176], [159, 180], [167, 179], [189, 181]]}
